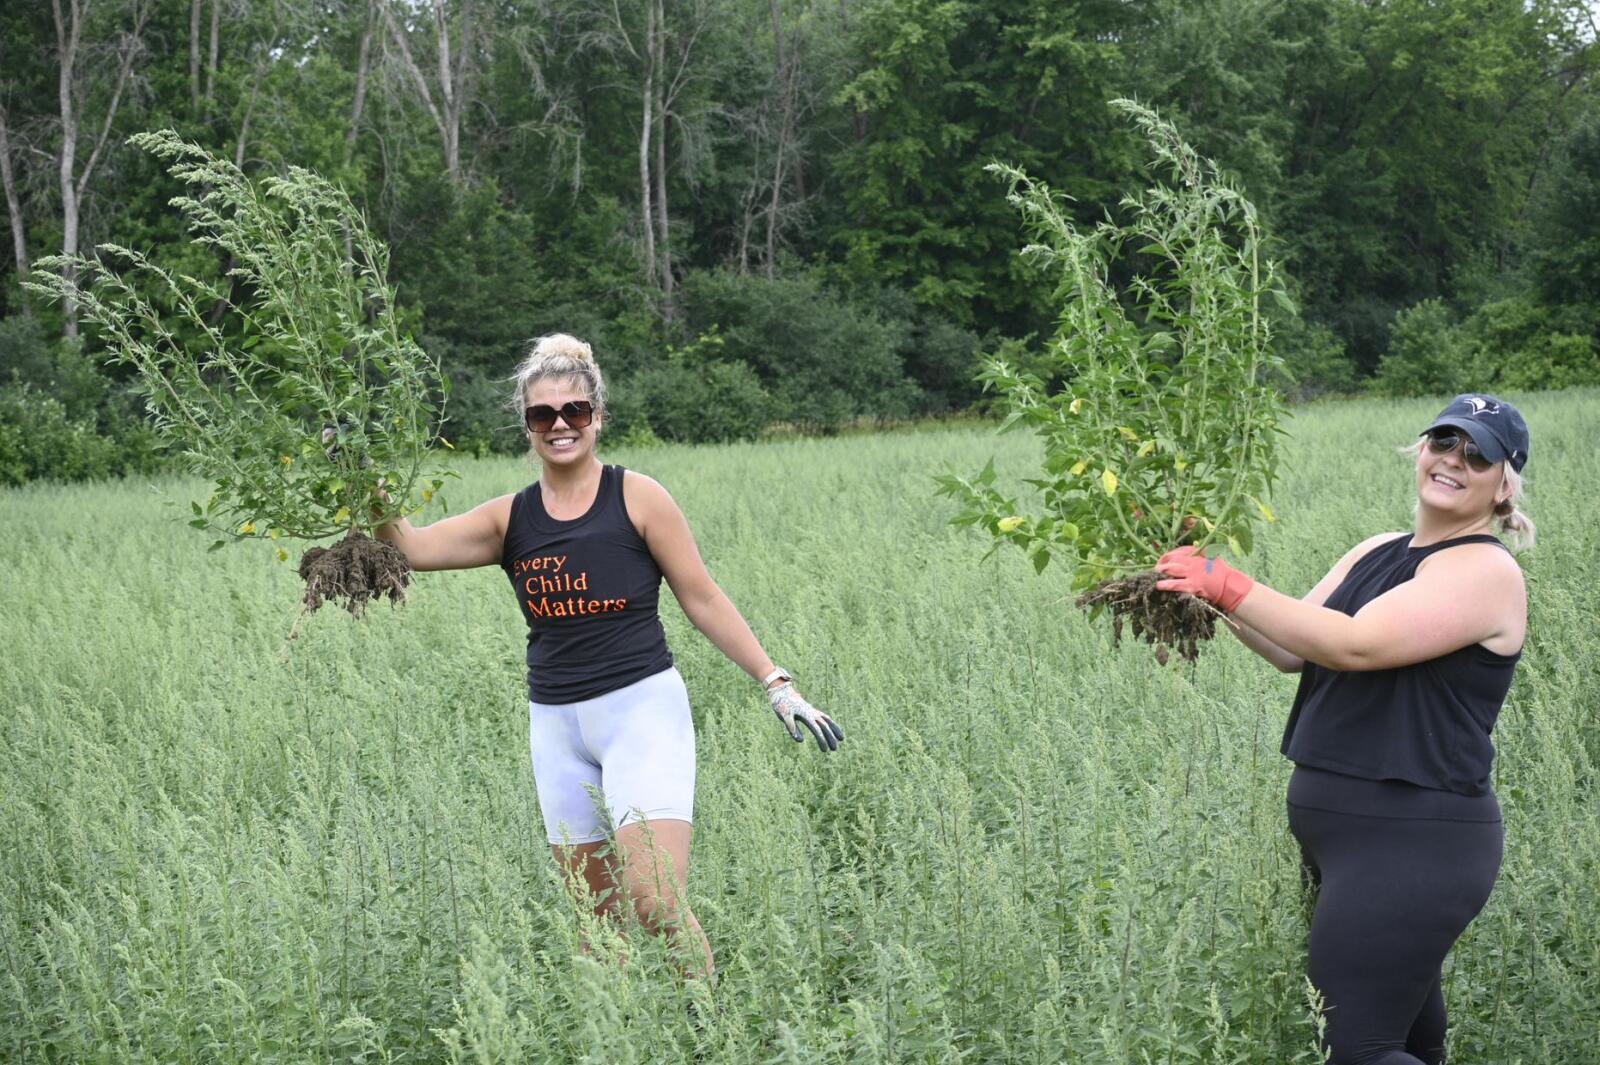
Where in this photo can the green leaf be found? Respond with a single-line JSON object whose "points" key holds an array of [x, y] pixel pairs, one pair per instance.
{"points": [[217, 545], [1041, 559]]}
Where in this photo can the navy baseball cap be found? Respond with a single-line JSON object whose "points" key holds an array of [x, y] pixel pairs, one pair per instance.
{"points": [[1493, 424]]}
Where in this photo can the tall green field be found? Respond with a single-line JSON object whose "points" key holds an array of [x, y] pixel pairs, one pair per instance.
{"points": [[1034, 846]]}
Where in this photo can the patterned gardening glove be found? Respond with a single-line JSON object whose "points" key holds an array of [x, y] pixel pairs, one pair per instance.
{"points": [[1189, 570], [794, 711]]}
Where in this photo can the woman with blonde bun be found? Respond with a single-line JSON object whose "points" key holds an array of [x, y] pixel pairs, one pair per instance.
{"points": [[585, 548]]}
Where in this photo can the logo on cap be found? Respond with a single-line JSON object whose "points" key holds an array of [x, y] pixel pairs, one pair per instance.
{"points": [[1482, 406]]}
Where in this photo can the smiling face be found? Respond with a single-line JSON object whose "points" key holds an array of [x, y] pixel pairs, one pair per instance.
{"points": [[1449, 486], [563, 445]]}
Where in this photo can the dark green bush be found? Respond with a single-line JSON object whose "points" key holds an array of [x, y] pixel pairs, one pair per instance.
{"points": [[1314, 359], [1429, 354], [39, 440], [825, 361], [693, 402], [61, 417], [1523, 344], [477, 419]]}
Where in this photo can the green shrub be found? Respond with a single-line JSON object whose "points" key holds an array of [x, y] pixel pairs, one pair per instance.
{"points": [[39, 440], [479, 422], [694, 397], [1522, 344], [1429, 354], [826, 361], [1315, 362]]}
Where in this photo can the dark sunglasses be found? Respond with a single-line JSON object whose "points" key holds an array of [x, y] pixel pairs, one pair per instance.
{"points": [[541, 417], [1443, 442]]}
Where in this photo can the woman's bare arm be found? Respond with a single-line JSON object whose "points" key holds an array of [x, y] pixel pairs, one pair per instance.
{"points": [[1287, 661], [666, 532], [464, 541]]}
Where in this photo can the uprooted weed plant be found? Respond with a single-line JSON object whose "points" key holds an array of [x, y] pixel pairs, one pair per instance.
{"points": [[1158, 424], [274, 364]]}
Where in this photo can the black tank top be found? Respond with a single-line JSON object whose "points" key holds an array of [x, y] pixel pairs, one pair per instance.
{"points": [[1426, 723], [588, 589]]}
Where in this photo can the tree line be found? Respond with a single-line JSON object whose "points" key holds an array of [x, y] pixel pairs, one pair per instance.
{"points": [[777, 211]]}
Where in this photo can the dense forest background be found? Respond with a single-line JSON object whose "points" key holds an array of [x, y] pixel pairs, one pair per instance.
{"points": [[770, 211]]}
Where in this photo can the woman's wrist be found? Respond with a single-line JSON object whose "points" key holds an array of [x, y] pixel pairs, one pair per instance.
{"points": [[774, 677]]}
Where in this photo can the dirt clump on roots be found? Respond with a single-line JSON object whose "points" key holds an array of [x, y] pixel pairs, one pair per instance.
{"points": [[1166, 619], [354, 572]]}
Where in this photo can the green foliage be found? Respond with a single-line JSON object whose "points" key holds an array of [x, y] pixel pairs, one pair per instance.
{"points": [[696, 395], [1314, 359], [826, 361], [1523, 344], [1429, 354], [1514, 344], [937, 90], [39, 440], [314, 415], [61, 418], [1164, 430]]}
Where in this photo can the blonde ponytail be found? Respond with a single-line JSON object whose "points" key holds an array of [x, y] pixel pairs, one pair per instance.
{"points": [[1517, 528]]}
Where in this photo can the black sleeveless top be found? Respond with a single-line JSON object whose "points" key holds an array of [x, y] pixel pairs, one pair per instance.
{"points": [[1426, 723], [588, 589]]}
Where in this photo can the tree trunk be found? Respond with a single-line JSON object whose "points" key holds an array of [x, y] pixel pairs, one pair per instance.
{"points": [[73, 182], [646, 127], [664, 247], [194, 54], [453, 75], [19, 234], [363, 69], [67, 40], [784, 85], [212, 52]]}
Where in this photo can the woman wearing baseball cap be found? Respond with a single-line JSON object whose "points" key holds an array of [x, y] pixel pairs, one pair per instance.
{"points": [[1405, 651]]}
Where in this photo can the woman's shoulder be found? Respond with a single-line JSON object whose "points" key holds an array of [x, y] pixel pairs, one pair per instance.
{"points": [[645, 498], [636, 485], [1486, 560], [1371, 544]]}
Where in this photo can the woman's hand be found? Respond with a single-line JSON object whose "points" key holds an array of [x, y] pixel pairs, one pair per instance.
{"points": [[793, 710], [1189, 570]]}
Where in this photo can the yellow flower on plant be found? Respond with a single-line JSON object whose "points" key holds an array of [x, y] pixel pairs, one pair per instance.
{"points": [[1079, 466], [1076, 405], [1011, 524], [287, 460], [1108, 481], [247, 528]]}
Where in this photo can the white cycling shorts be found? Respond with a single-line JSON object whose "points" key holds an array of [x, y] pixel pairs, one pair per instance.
{"points": [[630, 751]]}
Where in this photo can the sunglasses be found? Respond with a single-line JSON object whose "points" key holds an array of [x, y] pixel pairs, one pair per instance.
{"points": [[541, 417], [1445, 441]]}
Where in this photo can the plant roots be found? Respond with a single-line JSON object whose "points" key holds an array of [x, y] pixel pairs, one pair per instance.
{"points": [[1164, 619], [354, 572]]}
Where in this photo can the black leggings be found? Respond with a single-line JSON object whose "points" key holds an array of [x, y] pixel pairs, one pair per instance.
{"points": [[1400, 872]]}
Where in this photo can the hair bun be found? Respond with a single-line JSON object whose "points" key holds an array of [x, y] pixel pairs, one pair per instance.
{"points": [[562, 345]]}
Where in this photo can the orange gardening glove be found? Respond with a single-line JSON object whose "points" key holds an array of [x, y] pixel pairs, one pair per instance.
{"points": [[1189, 570]]}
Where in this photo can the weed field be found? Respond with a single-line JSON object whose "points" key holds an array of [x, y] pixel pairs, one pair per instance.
{"points": [[1034, 846]]}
